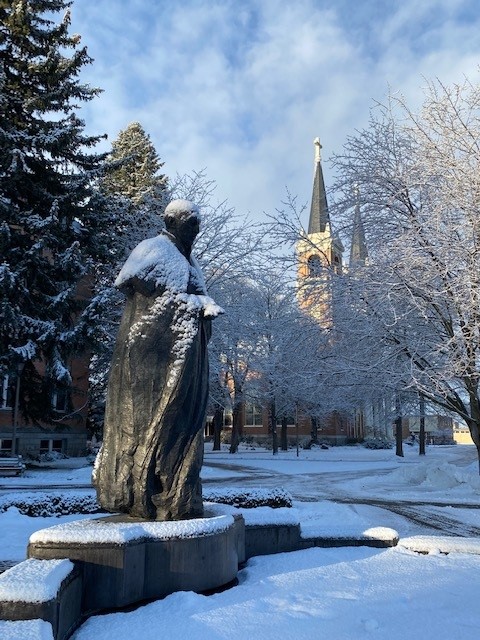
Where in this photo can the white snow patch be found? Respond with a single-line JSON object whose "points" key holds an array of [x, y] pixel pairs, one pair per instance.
{"points": [[181, 205], [265, 516], [157, 260], [34, 580], [107, 532], [441, 544], [25, 630], [339, 532], [438, 476]]}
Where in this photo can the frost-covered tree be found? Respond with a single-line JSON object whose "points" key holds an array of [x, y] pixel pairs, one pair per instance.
{"points": [[233, 349], [54, 223], [135, 166], [289, 360], [133, 177], [418, 179]]}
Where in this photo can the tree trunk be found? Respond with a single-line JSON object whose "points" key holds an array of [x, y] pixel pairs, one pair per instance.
{"points": [[474, 422], [237, 427], [398, 428], [272, 425], [283, 435], [217, 427], [474, 428], [421, 435], [314, 431]]}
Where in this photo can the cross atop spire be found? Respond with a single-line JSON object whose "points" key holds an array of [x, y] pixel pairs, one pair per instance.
{"points": [[318, 150], [319, 217]]}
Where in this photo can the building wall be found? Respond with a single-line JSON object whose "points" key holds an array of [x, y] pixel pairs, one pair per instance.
{"points": [[438, 429], [461, 434], [70, 426]]}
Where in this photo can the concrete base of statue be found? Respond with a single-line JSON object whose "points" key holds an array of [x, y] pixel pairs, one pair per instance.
{"points": [[88, 566]]}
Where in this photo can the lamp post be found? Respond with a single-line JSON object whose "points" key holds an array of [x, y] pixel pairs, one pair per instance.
{"points": [[20, 367]]}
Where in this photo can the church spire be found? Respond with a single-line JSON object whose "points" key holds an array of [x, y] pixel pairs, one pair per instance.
{"points": [[319, 217], [358, 248]]}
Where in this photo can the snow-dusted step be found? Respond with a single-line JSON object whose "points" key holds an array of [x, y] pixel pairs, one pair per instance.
{"points": [[35, 591], [441, 544], [270, 530], [25, 630], [349, 536]]}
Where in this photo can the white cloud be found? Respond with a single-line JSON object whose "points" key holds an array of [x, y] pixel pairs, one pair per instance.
{"points": [[243, 88]]}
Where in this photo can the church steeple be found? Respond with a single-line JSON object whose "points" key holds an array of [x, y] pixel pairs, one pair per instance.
{"points": [[358, 249], [319, 254], [319, 218]]}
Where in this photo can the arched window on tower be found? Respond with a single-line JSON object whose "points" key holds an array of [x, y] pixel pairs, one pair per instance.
{"points": [[314, 265]]}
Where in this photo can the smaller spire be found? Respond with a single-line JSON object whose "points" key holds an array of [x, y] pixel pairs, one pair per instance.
{"points": [[358, 249]]}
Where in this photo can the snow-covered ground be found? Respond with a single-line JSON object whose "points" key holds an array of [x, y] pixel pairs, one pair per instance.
{"points": [[339, 594]]}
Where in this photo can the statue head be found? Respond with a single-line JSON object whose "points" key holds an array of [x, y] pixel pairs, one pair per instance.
{"points": [[182, 220]]}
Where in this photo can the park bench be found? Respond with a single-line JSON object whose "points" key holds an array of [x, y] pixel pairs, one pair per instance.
{"points": [[11, 465]]}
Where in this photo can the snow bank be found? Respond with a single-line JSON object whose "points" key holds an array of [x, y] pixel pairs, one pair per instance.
{"points": [[438, 476], [108, 532], [441, 544], [33, 580]]}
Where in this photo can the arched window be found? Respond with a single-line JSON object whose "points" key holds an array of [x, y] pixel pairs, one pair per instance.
{"points": [[314, 265]]}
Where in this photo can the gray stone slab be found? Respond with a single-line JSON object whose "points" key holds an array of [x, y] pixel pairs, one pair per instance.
{"points": [[263, 540], [23, 598]]}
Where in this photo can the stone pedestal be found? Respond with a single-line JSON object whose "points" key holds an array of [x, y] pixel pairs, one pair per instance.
{"points": [[124, 561]]}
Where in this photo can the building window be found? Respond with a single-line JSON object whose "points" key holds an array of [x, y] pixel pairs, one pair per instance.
{"points": [[60, 400], [5, 446], [7, 392], [314, 265], [47, 446], [253, 415]]}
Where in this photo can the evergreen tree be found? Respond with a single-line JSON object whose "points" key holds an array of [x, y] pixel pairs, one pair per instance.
{"points": [[135, 166], [132, 177], [54, 221]]}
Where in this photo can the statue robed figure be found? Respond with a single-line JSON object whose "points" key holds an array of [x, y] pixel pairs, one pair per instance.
{"points": [[152, 452]]}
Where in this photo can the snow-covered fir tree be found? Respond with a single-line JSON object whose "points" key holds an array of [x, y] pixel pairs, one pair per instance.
{"points": [[54, 221], [135, 166], [133, 177]]}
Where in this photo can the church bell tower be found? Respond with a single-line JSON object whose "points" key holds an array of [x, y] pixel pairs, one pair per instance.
{"points": [[319, 252]]}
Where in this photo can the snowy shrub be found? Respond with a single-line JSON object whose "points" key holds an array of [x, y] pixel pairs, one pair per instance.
{"points": [[377, 443], [47, 504], [249, 498], [50, 456], [226, 437]]}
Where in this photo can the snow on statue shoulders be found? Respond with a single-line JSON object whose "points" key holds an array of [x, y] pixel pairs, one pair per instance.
{"points": [[158, 261]]}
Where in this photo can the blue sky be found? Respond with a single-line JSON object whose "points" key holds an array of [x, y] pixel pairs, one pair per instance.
{"points": [[242, 87]]}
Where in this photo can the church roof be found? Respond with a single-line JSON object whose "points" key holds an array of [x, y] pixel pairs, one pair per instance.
{"points": [[319, 217]]}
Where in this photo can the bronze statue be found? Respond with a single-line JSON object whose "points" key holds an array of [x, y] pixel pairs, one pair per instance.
{"points": [[149, 464]]}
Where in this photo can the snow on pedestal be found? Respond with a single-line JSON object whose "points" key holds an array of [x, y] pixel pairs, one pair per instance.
{"points": [[25, 630], [34, 580], [104, 531]]}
